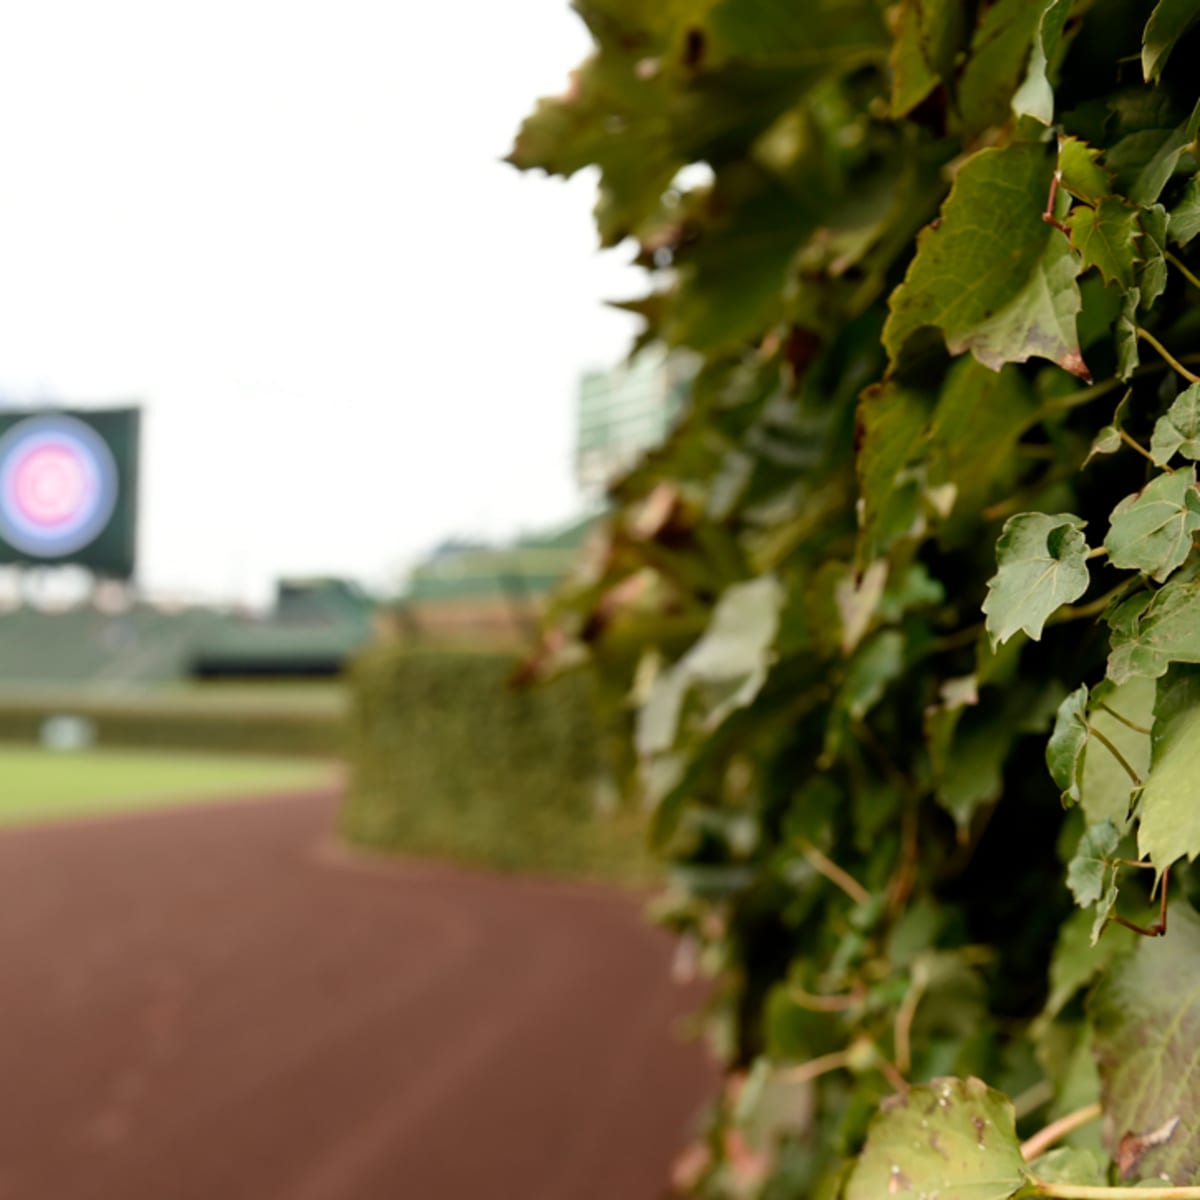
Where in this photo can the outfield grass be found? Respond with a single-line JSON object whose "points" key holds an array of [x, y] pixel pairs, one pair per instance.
{"points": [[38, 785]]}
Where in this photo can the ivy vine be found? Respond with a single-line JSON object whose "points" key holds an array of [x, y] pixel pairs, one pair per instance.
{"points": [[925, 530]]}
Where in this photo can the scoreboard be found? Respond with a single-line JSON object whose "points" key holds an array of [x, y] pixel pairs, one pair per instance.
{"points": [[68, 488]]}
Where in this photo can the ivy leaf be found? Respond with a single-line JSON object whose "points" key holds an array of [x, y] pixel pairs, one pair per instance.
{"points": [[1087, 872], [996, 62], [953, 1137], [1107, 441], [1178, 430], [1106, 786], [1152, 276], [1080, 172], [1067, 748], [1146, 1020], [1042, 562], [926, 37], [1070, 1164], [1146, 158], [729, 663], [1152, 630], [1169, 821], [1169, 21], [993, 276], [1152, 530], [1035, 97], [1185, 216], [1126, 335], [892, 423], [1105, 238]]}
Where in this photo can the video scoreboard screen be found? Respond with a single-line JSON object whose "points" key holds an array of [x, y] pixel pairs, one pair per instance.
{"points": [[68, 488]]}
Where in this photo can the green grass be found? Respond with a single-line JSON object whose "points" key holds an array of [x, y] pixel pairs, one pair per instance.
{"points": [[38, 785]]}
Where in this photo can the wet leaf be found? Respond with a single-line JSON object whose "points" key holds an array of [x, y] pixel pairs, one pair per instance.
{"points": [[953, 1137]]}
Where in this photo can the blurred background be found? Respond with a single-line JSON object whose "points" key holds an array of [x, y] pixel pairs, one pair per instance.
{"points": [[308, 402]]}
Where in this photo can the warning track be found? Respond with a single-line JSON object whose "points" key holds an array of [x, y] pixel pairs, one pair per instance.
{"points": [[202, 1004]]}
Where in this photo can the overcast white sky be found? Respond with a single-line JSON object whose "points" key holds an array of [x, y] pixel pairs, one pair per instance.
{"points": [[283, 227]]}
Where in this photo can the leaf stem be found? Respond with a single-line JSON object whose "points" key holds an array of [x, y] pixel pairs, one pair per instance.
{"points": [[1081, 612], [1101, 551], [1136, 445], [1091, 1191], [835, 874], [816, 1067], [1041, 1141], [1137, 779], [1112, 712], [1168, 357], [1183, 270]]}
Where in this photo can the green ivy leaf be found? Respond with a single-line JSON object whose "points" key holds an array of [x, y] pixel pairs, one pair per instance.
{"points": [[953, 1137], [1080, 171], [1071, 1164], [1185, 216], [728, 663], [1152, 275], [1169, 21], [1042, 562], [1169, 817], [1106, 787], [1066, 751], [994, 277], [1105, 238], [1152, 530], [1088, 870], [996, 62], [1178, 430], [1152, 630], [1126, 335], [1035, 97], [1146, 1021], [1146, 158], [926, 38], [1107, 441]]}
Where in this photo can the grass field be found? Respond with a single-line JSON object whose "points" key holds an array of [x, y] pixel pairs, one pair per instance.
{"points": [[37, 785]]}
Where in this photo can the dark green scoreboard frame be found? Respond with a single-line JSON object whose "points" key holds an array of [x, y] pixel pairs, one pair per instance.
{"points": [[112, 553]]}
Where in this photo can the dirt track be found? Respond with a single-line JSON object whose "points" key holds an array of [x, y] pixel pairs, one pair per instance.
{"points": [[201, 1006]]}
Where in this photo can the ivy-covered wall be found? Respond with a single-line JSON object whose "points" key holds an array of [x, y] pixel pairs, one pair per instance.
{"points": [[448, 758], [909, 603]]}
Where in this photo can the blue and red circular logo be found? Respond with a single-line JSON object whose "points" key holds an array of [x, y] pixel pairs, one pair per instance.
{"points": [[58, 485]]}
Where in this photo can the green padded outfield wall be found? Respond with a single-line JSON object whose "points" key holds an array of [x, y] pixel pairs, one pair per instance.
{"points": [[68, 488]]}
